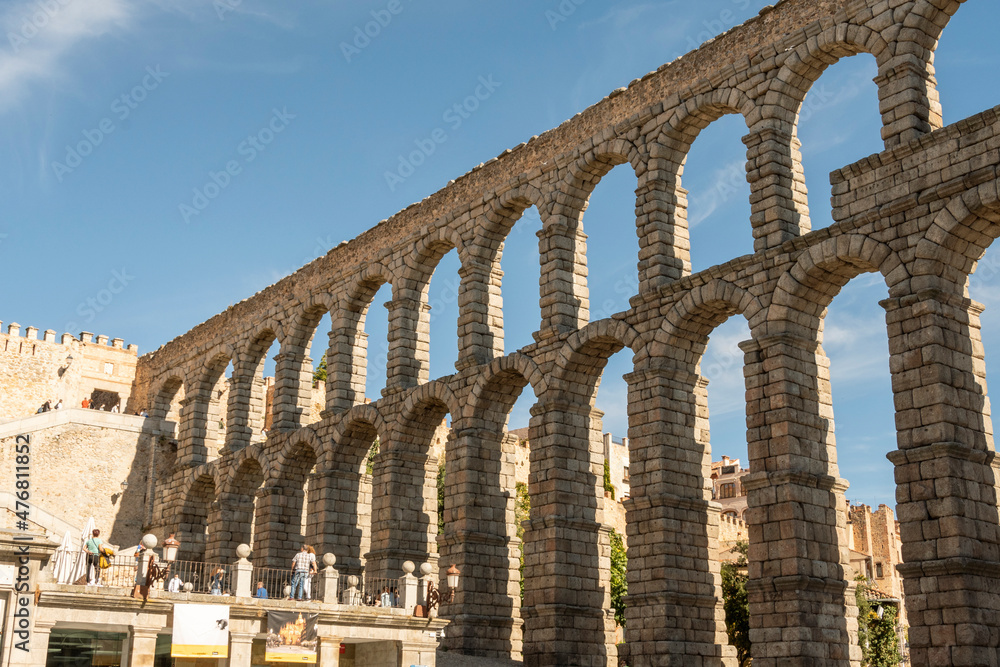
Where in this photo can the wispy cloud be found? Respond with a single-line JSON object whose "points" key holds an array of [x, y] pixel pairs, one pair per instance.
{"points": [[40, 39], [727, 182]]}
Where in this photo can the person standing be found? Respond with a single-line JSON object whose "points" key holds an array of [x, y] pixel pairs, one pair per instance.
{"points": [[93, 547], [85, 403], [312, 571], [300, 570], [215, 582], [261, 591], [175, 584], [58, 405]]}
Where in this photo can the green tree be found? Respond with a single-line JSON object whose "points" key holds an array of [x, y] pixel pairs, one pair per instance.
{"points": [[736, 604], [876, 636], [522, 509], [608, 486], [619, 583], [372, 457], [319, 375]]}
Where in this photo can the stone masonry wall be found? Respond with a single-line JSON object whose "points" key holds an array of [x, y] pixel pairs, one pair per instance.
{"points": [[34, 370], [920, 214]]}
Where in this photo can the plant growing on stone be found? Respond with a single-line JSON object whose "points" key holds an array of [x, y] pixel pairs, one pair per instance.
{"points": [[736, 603], [619, 583]]}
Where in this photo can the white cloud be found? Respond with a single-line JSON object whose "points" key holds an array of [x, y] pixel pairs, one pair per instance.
{"points": [[40, 38]]}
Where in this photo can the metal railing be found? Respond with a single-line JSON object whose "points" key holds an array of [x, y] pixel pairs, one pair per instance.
{"points": [[369, 591], [122, 569], [276, 579]]}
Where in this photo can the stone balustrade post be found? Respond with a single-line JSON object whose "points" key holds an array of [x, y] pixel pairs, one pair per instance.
{"points": [[411, 588], [243, 584], [329, 580]]}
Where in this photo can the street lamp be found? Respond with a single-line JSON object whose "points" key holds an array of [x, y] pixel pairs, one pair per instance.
{"points": [[435, 597], [170, 547]]}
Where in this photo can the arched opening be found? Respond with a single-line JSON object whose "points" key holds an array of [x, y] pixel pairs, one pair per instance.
{"points": [[717, 192], [609, 221], [166, 405], [318, 379], [233, 520], [374, 323], [203, 426], [845, 97], [442, 296], [486, 491], [517, 247], [192, 525], [961, 55]]}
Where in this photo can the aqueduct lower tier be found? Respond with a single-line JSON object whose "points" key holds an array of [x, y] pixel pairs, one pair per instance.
{"points": [[921, 214]]}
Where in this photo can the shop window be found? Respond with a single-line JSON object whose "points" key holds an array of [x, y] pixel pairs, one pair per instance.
{"points": [[85, 648]]}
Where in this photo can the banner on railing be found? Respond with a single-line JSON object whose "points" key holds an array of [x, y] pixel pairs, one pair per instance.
{"points": [[291, 637], [200, 631]]}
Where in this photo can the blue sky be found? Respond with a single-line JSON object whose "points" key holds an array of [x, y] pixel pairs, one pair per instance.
{"points": [[226, 143]]}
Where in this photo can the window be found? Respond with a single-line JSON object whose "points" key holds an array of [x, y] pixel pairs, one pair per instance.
{"points": [[84, 647], [625, 474], [731, 515], [727, 491], [109, 369], [878, 570]]}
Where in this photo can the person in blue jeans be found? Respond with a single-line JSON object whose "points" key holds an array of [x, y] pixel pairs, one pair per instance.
{"points": [[300, 570]]}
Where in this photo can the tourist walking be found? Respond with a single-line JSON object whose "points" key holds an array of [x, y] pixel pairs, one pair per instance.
{"points": [[93, 547], [300, 571]]}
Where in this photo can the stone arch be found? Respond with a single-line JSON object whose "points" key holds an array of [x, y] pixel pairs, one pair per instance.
{"points": [[202, 412], [582, 357], [168, 395], [362, 423], [818, 275], [424, 407], [199, 493], [498, 386], [246, 412], [962, 232], [583, 175], [691, 116], [689, 322]]}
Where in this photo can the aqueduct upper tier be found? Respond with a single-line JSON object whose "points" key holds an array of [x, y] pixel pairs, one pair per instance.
{"points": [[920, 214]]}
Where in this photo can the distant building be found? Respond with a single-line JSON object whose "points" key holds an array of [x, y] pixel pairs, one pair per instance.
{"points": [[727, 487]]}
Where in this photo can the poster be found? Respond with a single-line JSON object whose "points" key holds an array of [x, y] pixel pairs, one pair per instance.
{"points": [[200, 631], [291, 637]]}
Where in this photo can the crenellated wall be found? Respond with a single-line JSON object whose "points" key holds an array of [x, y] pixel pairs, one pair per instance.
{"points": [[920, 214], [34, 370]]}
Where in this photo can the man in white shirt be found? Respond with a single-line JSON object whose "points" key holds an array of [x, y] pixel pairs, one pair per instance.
{"points": [[175, 585]]}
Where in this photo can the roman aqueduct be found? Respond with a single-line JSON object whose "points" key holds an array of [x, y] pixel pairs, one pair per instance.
{"points": [[921, 214]]}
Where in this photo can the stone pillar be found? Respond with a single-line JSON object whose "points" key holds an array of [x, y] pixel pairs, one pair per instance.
{"points": [[801, 606], [292, 389], [674, 591], [142, 646], [240, 649], [661, 203], [339, 510], [243, 584], [241, 418], [411, 588], [563, 281], [480, 539], [192, 450], [328, 654], [480, 315], [407, 365], [907, 99], [404, 511], [329, 581], [277, 522], [946, 476], [778, 206], [417, 652], [38, 645], [566, 545], [346, 370]]}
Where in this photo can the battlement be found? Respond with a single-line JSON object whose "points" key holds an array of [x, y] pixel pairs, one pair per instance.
{"points": [[49, 336], [35, 370]]}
